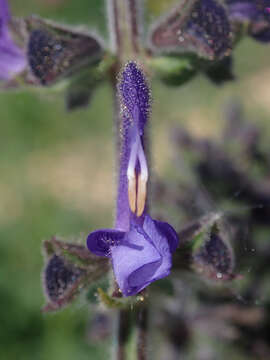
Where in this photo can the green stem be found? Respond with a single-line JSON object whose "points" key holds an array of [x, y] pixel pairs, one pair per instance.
{"points": [[142, 327], [123, 332], [123, 16], [124, 21]]}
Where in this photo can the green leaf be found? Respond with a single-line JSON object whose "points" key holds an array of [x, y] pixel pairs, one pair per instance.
{"points": [[173, 70]]}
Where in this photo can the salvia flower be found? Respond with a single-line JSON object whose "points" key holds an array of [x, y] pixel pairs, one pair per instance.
{"points": [[254, 13], [139, 247], [12, 58]]}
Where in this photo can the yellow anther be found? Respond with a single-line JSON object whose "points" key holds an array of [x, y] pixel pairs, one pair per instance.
{"points": [[132, 193], [141, 195]]}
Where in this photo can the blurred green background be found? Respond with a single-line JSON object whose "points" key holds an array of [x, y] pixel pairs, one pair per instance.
{"points": [[57, 177]]}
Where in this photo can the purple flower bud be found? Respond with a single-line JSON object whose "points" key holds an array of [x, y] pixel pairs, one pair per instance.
{"points": [[140, 248], [214, 258], [199, 26], [256, 13], [12, 58], [69, 268], [55, 51], [59, 276]]}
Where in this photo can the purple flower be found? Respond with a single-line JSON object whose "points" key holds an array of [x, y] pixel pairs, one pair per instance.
{"points": [[12, 59], [140, 248], [255, 13]]}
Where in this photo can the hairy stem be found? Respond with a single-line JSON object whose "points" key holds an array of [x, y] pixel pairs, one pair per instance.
{"points": [[134, 24], [123, 332], [115, 31], [142, 326], [124, 28]]}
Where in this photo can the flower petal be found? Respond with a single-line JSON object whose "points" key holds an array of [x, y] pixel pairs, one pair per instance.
{"points": [[100, 241], [209, 28], [241, 10], [12, 59], [4, 13], [160, 233], [256, 13], [168, 231], [135, 262]]}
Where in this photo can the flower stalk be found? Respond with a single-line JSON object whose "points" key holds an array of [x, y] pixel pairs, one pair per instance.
{"points": [[122, 334], [142, 330], [125, 30]]}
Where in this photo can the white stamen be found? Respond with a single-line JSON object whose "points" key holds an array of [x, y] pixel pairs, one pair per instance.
{"points": [[143, 163], [133, 159], [137, 187]]}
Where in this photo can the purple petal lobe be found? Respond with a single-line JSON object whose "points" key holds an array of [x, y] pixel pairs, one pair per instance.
{"points": [[4, 14], [136, 262], [249, 9], [144, 255], [241, 10], [12, 59], [134, 94], [169, 233], [256, 13], [100, 242]]}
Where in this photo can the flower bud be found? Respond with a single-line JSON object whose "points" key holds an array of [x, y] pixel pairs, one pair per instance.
{"points": [[69, 268]]}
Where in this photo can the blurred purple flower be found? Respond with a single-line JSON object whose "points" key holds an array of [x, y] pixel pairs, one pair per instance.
{"points": [[12, 59], [140, 248], [256, 13]]}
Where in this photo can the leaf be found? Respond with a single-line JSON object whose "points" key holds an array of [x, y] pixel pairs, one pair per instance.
{"points": [[81, 88], [173, 70], [220, 71]]}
